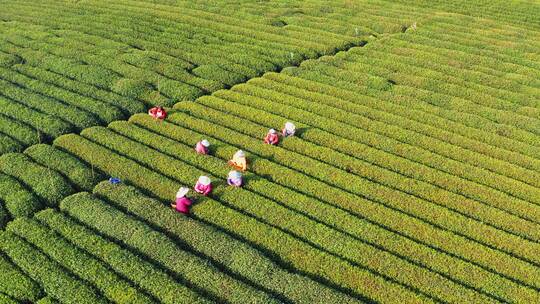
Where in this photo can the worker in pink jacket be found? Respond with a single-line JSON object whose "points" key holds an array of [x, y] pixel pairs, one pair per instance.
{"points": [[202, 147], [289, 129], [272, 137], [203, 185], [235, 179], [182, 203]]}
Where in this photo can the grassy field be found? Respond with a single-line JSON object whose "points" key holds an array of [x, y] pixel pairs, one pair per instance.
{"points": [[414, 175]]}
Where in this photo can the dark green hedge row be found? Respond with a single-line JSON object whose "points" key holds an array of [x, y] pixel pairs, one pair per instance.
{"points": [[47, 126], [373, 190], [488, 144], [47, 184], [55, 280], [77, 261], [8, 144], [23, 133], [80, 174], [82, 105], [197, 271], [128, 105], [318, 263], [454, 121], [144, 274], [523, 204], [17, 199], [15, 283]]}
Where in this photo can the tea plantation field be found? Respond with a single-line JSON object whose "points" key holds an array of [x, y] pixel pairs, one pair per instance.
{"points": [[413, 176]]}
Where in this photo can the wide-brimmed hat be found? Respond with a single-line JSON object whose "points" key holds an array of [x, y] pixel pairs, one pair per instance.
{"points": [[204, 180], [289, 126], [182, 192], [272, 131], [235, 174], [205, 143], [239, 153]]}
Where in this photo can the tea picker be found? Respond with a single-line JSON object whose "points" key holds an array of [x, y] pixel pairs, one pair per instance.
{"points": [[203, 185], [202, 147], [239, 161], [235, 179], [271, 137], [182, 202], [158, 113], [289, 129]]}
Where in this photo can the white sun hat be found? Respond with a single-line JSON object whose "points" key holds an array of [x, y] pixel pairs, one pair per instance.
{"points": [[235, 174], [289, 126], [272, 131], [182, 192], [239, 153], [204, 180], [205, 143]]}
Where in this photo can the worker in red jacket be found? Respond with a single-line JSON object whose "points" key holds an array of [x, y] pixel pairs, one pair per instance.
{"points": [[272, 137], [158, 112]]}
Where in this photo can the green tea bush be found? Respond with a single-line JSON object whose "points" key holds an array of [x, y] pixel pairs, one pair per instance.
{"points": [[524, 200], [80, 174], [47, 300], [15, 283], [407, 119], [128, 105], [77, 261], [17, 199], [21, 132], [143, 273], [254, 130], [161, 190], [5, 299], [48, 125], [8, 144], [47, 184], [197, 271], [216, 73], [7, 60], [105, 112], [54, 279], [345, 117], [412, 247]]}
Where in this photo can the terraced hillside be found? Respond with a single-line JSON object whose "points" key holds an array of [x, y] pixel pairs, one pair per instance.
{"points": [[414, 175]]}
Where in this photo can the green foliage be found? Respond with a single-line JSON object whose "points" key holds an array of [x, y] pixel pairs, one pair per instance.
{"points": [[47, 300], [77, 261], [7, 60], [19, 201], [216, 73], [47, 184], [80, 174], [54, 279], [15, 283], [187, 265], [143, 273]]}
